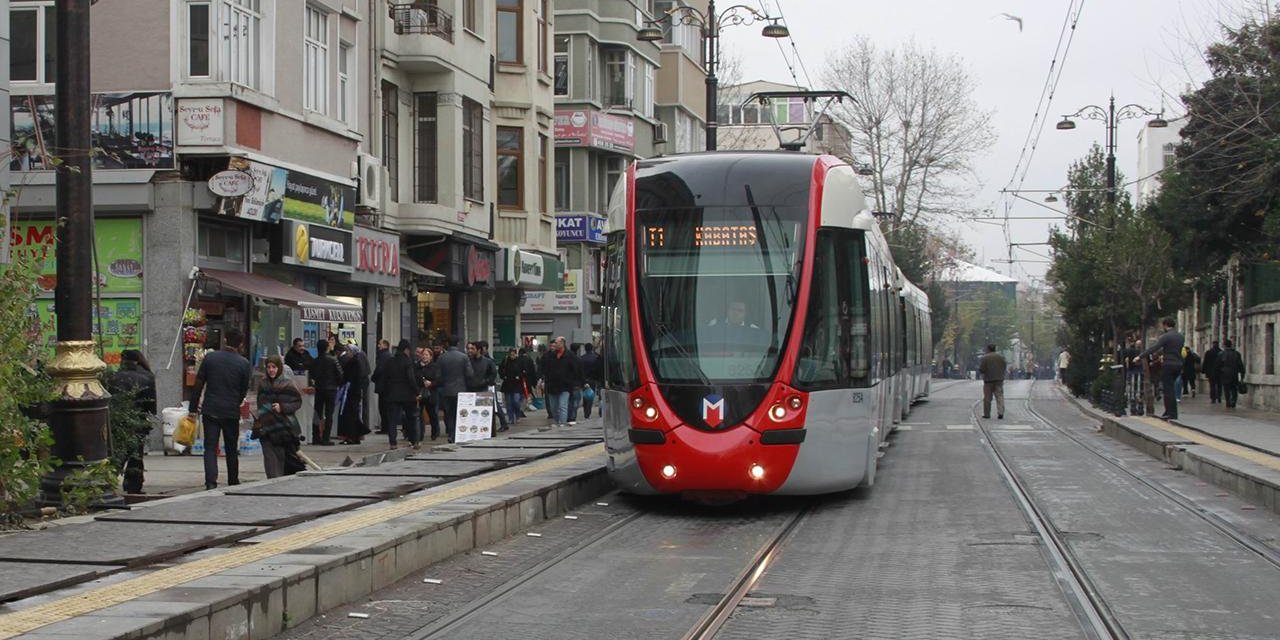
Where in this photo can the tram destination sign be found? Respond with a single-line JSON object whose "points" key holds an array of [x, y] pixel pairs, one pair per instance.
{"points": [[725, 235]]}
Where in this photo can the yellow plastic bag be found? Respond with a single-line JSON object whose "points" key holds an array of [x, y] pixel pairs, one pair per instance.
{"points": [[185, 433]]}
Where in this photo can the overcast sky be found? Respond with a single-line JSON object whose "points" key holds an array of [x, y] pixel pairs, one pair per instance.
{"points": [[1145, 51]]}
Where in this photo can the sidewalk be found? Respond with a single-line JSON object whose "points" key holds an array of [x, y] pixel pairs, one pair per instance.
{"points": [[174, 475], [1259, 430]]}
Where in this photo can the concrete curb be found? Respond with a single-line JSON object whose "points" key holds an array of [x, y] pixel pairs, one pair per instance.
{"points": [[1251, 481], [262, 599]]}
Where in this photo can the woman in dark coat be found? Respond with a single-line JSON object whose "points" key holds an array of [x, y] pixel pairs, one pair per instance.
{"points": [[355, 374], [428, 371], [135, 375], [400, 380], [276, 426]]}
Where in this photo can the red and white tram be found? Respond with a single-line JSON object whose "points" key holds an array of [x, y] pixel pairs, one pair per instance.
{"points": [[758, 338]]}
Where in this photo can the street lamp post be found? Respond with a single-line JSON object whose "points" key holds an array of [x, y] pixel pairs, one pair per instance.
{"points": [[1110, 117], [710, 24]]}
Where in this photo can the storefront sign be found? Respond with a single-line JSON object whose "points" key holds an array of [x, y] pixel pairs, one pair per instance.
{"points": [[530, 271], [591, 128], [569, 300], [329, 314], [580, 227], [231, 184], [463, 264], [479, 266], [318, 247], [120, 319], [118, 242], [377, 257], [130, 131], [200, 122], [279, 193]]}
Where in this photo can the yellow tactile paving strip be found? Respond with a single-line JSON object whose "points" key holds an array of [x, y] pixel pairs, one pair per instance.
{"points": [[1252, 455], [20, 622]]}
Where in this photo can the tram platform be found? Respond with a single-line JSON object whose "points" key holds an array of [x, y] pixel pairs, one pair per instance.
{"points": [[250, 560], [1237, 450]]}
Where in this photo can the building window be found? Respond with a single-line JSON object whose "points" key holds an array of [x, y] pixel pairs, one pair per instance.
{"points": [[544, 34], [239, 29], [315, 60], [427, 151], [469, 15], [509, 33], [391, 137], [1168, 155], [472, 150], [617, 72], [589, 63], [649, 96], [510, 158], [685, 36], [198, 40], [344, 83], [562, 179], [33, 44], [562, 66], [544, 145]]}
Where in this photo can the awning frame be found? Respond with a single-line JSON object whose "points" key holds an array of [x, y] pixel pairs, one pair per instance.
{"points": [[313, 307]]}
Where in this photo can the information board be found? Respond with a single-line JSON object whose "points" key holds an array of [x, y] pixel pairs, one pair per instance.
{"points": [[475, 416]]}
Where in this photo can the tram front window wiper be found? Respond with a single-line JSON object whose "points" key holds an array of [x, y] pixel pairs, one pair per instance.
{"points": [[667, 338]]}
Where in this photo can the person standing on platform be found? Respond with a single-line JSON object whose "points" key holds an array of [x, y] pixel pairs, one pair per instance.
{"points": [[399, 378], [1064, 361], [514, 381], [1190, 363], [1210, 367], [276, 426], [135, 376], [298, 359], [560, 371], [592, 373], [381, 358], [1230, 373], [1169, 344], [992, 367], [455, 371], [326, 377], [223, 379], [355, 374], [428, 379]]}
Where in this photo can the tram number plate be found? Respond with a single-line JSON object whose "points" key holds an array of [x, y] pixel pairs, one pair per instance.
{"points": [[857, 398]]}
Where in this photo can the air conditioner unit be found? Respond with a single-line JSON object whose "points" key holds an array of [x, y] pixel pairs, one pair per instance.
{"points": [[372, 176], [659, 132]]}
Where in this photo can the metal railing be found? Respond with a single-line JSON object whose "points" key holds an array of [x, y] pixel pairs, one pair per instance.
{"points": [[422, 17]]}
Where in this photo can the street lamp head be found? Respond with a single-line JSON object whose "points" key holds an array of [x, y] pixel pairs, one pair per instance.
{"points": [[1051, 198], [1158, 123], [1066, 124], [649, 34], [775, 30]]}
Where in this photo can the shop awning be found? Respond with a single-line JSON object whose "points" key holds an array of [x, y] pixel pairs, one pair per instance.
{"points": [[416, 268], [314, 308]]}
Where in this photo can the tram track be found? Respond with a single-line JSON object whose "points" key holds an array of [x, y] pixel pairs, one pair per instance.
{"points": [[1097, 618]]}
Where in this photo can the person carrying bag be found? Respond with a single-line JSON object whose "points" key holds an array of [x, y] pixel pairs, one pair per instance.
{"points": [[276, 424]]}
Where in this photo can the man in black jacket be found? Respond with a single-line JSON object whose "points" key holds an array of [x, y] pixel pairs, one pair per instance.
{"points": [[223, 379], [1230, 373], [135, 376], [560, 372], [591, 373], [455, 371], [380, 385], [326, 377], [1210, 367], [298, 359]]}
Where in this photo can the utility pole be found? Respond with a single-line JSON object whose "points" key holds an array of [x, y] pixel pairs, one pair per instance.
{"points": [[78, 416]]}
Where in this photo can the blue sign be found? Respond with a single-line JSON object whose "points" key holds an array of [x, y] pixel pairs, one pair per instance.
{"points": [[579, 227]]}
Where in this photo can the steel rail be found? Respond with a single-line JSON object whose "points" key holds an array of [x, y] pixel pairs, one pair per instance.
{"points": [[1245, 540], [718, 615], [1095, 617]]}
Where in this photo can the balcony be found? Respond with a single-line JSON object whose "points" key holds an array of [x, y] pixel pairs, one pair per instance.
{"points": [[422, 17]]}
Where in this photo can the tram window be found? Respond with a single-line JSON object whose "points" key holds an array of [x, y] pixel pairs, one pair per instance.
{"points": [[859, 320], [619, 361], [824, 345]]}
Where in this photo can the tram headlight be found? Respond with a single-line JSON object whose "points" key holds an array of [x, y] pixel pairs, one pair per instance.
{"points": [[796, 403], [757, 472], [668, 471], [777, 413], [650, 412], [637, 402]]}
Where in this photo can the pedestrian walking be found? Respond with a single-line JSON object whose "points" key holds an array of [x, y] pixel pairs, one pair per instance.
{"points": [[428, 395], [221, 385], [135, 376], [592, 374], [515, 379], [1210, 367], [1064, 361], [992, 366], [455, 371], [560, 371], [1190, 367], [545, 354], [1230, 373], [276, 425], [1169, 345], [355, 375], [380, 358], [401, 383], [325, 378]]}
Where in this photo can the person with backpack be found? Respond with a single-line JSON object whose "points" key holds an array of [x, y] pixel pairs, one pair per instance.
{"points": [[592, 373]]}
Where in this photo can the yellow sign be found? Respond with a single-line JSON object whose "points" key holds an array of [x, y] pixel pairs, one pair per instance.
{"points": [[301, 243]]}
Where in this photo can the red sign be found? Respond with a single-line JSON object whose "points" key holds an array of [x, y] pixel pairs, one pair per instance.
{"points": [[377, 257], [591, 128], [479, 267]]}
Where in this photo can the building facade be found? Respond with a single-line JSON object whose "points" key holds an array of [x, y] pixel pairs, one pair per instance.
{"points": [[751, 124]]}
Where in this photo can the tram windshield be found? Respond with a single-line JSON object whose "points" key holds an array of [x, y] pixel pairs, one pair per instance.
{"points": [[717, 288]]}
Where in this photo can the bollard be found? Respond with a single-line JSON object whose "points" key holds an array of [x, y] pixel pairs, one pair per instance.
{"points": [[1118, 396]]}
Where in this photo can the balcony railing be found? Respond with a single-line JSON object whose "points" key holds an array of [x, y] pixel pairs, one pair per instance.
{"points": [[422, 17]]}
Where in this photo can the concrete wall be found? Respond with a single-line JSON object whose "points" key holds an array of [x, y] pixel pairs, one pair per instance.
{"points": [[170, 232], [1264, 388], [130, 45]]}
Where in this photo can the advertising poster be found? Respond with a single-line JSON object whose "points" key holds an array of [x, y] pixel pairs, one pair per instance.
{"points": [[475, 416], [130, 131], [119, 252], [311, 199], [265, 200], [121, 326], [568, 300]]}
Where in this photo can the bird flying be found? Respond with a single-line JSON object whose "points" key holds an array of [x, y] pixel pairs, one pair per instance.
{"points": [[1010, 16]]}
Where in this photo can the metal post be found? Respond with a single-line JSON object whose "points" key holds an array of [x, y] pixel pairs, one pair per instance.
{"points": [[712, 37], [78, 416], [1111, 151]]}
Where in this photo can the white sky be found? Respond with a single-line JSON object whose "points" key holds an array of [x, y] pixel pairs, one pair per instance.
{"points": [[1145, 51]]}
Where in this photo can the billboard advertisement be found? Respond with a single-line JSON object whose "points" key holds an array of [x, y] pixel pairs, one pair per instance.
{"points": [[130, 131], [119, 252], [592, 128]]}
